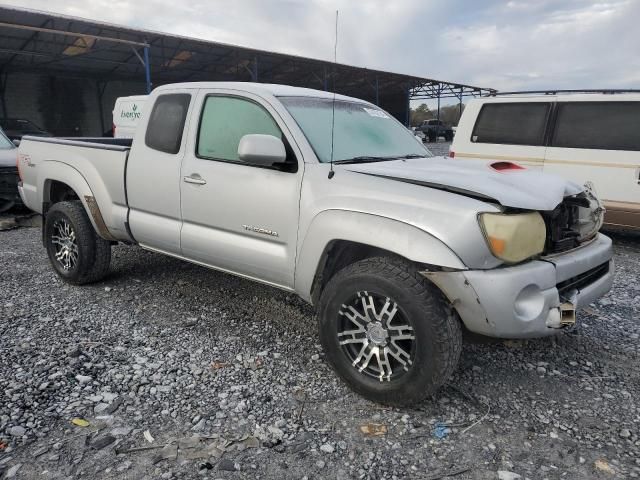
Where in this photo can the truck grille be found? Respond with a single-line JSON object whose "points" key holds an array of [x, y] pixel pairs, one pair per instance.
{"points": [[8, 181], [584, 279]]}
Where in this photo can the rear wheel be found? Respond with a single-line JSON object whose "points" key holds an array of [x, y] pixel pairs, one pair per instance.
{"points": [[388, 332], [76, 252]]}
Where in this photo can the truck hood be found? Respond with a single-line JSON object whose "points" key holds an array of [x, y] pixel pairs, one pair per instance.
{"points": [[523, 188]]}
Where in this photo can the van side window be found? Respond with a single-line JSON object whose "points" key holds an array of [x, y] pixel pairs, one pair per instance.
{"points": [[512, 123], [225, 120], [166, 123], [598, 125]]}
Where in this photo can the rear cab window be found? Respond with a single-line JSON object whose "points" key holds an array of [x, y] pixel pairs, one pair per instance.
{"points": [[597, 125], [166, 122], [522, 123]]}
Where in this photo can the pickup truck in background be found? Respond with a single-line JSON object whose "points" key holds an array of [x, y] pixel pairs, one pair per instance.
{"points": [[433, 129], [397, 250]]}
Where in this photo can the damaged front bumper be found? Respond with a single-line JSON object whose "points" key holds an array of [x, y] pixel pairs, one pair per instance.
{"points": [[533, 299]]}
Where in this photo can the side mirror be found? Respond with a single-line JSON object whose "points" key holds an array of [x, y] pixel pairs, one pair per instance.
{"points": [[16, 142], [262, 150]]}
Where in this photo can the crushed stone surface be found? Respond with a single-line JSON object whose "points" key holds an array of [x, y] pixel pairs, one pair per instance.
{"points": [[170, 370]]}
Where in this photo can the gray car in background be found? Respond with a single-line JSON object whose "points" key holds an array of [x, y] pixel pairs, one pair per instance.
{"points": [[9, 195]]}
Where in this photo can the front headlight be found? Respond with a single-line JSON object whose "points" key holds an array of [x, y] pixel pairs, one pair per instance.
{"points": [[514, 237]]}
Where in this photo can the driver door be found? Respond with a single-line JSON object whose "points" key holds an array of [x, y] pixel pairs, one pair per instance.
{"points": [[239, 217]]}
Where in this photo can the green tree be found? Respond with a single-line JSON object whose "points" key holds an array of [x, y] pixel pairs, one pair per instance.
{"points": [[421, 113], [450, 114]]}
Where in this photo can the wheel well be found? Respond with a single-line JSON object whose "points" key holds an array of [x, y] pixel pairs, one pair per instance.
{"points": [[337, 255], [58, 192]]}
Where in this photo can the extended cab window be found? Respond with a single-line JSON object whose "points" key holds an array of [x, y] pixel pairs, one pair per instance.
{"points": [[598, 125], [166, 123], [512, 123], [225, 120]]}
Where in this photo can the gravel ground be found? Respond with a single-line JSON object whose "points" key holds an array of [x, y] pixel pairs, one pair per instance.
{"points": [[439, 148], [227, 376]]}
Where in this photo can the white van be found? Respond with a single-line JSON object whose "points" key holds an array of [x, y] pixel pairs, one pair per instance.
{"points": [[127, 112], [580, 136]]}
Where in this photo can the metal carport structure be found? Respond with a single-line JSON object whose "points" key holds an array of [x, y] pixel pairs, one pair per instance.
{"points": [[58, 46]]}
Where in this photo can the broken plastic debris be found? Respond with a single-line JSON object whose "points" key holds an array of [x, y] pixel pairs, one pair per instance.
{"points": [[148, 436], [373, 429], [80, 422], [441, 430]]}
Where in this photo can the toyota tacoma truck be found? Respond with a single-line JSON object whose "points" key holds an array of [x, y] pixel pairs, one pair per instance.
{"points": [[333, 199]]}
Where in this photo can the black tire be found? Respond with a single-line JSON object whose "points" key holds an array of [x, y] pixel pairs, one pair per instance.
{"points": [[433, 138], [448, 137], [437, 333], [93, 253]]}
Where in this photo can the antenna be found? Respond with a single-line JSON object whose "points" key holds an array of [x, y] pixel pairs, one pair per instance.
{"points": [[333, 105]]}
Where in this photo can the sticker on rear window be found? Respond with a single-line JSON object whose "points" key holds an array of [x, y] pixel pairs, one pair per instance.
{"points": [[376, 113]]}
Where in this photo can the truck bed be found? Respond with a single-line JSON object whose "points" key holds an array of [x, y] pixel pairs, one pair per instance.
{"points": [[97, 164]]}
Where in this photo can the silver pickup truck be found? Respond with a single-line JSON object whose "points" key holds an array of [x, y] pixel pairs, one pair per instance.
{"points": [[333, 199]]}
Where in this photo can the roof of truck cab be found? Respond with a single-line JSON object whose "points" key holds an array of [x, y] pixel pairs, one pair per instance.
{"points": [[274, 89]]}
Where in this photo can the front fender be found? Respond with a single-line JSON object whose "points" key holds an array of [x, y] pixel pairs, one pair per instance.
{"points": [[400, 238]]}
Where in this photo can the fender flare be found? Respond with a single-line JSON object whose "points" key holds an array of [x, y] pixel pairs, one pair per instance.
{"points": [[56, 171], [382, 232]]}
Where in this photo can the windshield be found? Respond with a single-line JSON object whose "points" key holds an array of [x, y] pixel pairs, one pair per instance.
{"points": [[361, 132], [5, 143]]}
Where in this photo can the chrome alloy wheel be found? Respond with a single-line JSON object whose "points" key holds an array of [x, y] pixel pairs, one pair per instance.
{"points": [[64, 242], [376, 336]]}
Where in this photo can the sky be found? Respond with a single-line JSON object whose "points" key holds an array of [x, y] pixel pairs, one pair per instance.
{"points": [[507, 45]]}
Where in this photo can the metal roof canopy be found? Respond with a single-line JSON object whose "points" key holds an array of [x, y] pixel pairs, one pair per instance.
{"points": [[47, 43]]}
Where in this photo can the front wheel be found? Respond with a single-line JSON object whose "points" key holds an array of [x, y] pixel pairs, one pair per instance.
{"points": [[76, 252], [388, 332]]}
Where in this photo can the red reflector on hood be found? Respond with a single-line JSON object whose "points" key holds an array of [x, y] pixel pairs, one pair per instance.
{"points": [[502, 166]]}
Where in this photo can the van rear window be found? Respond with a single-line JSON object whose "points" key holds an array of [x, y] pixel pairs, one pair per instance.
{"points": [[512, 123], [166, 123], [598, 125]]}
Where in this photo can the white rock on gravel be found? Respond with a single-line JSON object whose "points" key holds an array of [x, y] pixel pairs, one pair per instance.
{"points": [[506, 475], [327, 448]]}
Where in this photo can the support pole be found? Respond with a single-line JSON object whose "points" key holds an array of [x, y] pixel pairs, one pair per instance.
{"points": [[255, 69], [100, 87], [3, 88], [460, 107], [407, 119], [438, 117], [147, 69]]}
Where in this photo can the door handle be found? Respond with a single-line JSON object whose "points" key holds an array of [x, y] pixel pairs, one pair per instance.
{"points": [[195, 179]]}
